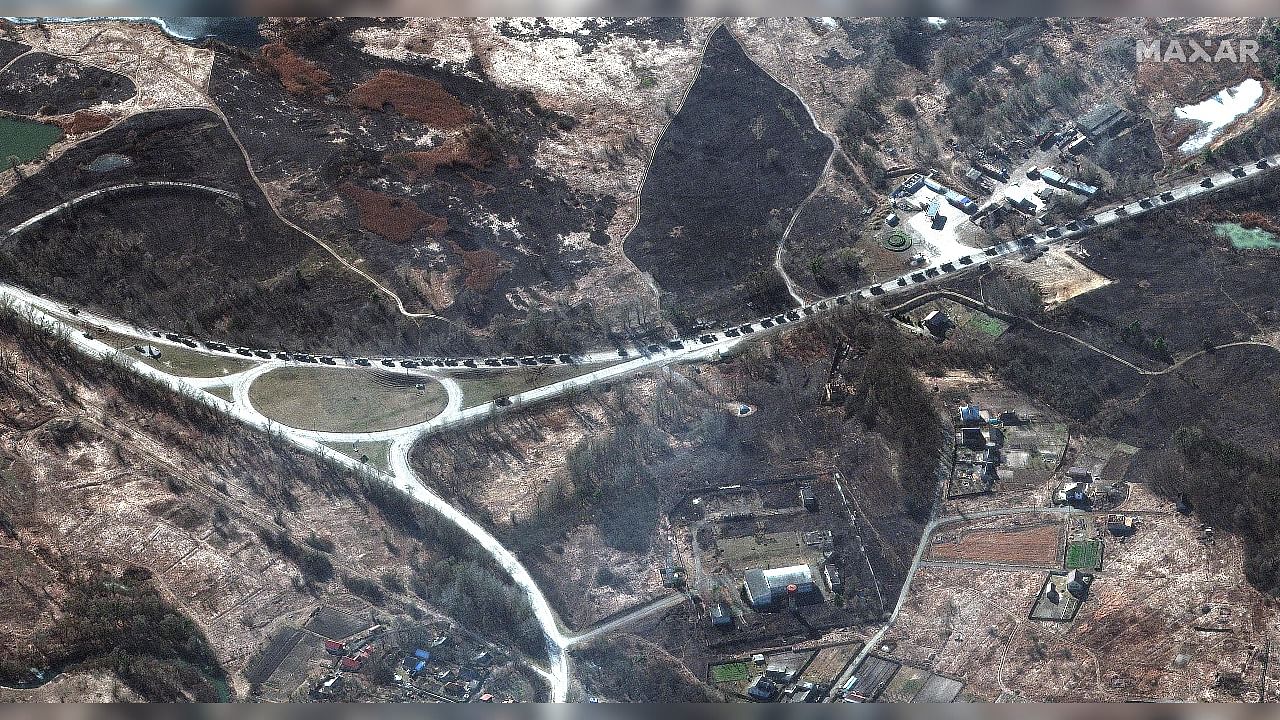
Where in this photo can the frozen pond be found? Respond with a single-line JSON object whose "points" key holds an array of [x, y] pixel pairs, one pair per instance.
{"points": [[1218, 112]]}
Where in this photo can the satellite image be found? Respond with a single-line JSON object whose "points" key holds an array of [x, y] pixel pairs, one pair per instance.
{"points": [[639, 359]]}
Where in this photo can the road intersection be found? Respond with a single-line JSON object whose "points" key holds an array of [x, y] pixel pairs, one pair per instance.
{"points": [[706, 346]]}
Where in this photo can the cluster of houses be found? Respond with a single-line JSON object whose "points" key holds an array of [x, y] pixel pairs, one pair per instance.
{"points": [[979, 438], [1081, 488], [778, 684]]}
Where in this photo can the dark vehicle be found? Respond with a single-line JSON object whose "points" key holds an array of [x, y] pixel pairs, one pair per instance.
{"points": [[707, 339], [766, 323], [566, 359], [510, 362], [622, 352], [502, 401], [780, 319], [654, 348], [822, 305], [328, 360], [493, 362], [221, 347], [156, 333], [991, 251], [282, 356], [175, 337], [1166, 196], [948, 267], [966, 260], [1053, 232], [732, 332], [842, 300], [747, 329], [1207, 182], [529, 361], [1145, 203], [1262, 165], [793, 316], [73, 310], [437, 363], [808, 310], [1122, 210], [1237, 172], [877, 290], [1027, 240], [362, 362], [985, 266], [409, 363], [917, 276], [1089, 221], [932, 272], [262, 354], [451, 363], [389, 363], [244, 351], [902, 282], [547, 360], [675, 345], [1073, 226], [191, 343]]}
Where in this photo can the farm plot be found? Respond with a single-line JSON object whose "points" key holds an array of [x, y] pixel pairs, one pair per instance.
{"points": [[1035, 545], [730, 672], [1084, 555], [346, 399]]}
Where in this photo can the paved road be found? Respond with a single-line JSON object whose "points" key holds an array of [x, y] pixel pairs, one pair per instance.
{"points": [[708, 346], [111, 190], [657, 606]]}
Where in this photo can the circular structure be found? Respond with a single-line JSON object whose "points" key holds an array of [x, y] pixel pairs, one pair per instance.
{"points": [[793, 588], [336, 399], [896, 241]]}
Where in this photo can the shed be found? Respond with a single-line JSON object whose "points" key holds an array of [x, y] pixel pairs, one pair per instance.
{"points": [[720, 615], [971, 415], [422, 654]]}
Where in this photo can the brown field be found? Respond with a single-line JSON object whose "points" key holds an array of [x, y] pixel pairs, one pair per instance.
{"points": [[1036, 545], [395, 219], [298, 75], [416, 98]]}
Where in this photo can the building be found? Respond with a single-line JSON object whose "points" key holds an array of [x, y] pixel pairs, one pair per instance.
{"points": [[962, 202], [834, 581], [1053, 177], [720, 615], [934, 185], [1121, 524], [1019, 199], [673, 577], [970, 416], [779, 673], [333, 647], [422, 654], [762, 690], [769, 588], [891, 220], [1103, 120], [937, 322], [1080, 475], [351, 663], [1082, 188], [1078, 584], [808, 499]]}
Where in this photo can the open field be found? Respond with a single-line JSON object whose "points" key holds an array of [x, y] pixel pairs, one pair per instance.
{"points": [[346, 399], [374, 454], [482, 386], [179, 361], [1059, 276], [1034, 545], [829, 661]]}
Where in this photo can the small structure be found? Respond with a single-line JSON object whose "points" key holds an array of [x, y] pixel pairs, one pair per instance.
{"points": [[779, 673], [1022, 200], [333, 647], [808, 499], [673, 577], [971, 416], [937, 323], [834, 581], [769, 588], [351, 663], [973, 437], [1080, 475], [1121, 524], [762, 689], [1103, 120], [720, 615], [891, 220], [961, 202]]}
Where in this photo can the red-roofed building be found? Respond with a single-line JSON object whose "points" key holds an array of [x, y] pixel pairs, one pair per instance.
{"points": [[351, 663], [334, 647]]}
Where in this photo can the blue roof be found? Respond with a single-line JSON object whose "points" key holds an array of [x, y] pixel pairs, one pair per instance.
{"points": [[422, 664], [420, 653], [970, 412]]}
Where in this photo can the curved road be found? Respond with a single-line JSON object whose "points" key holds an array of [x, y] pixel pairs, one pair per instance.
{"points": [[704, 347], [114, 189]]}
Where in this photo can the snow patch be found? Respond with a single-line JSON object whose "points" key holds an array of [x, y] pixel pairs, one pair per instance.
{"points": [[1218, 112]]}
